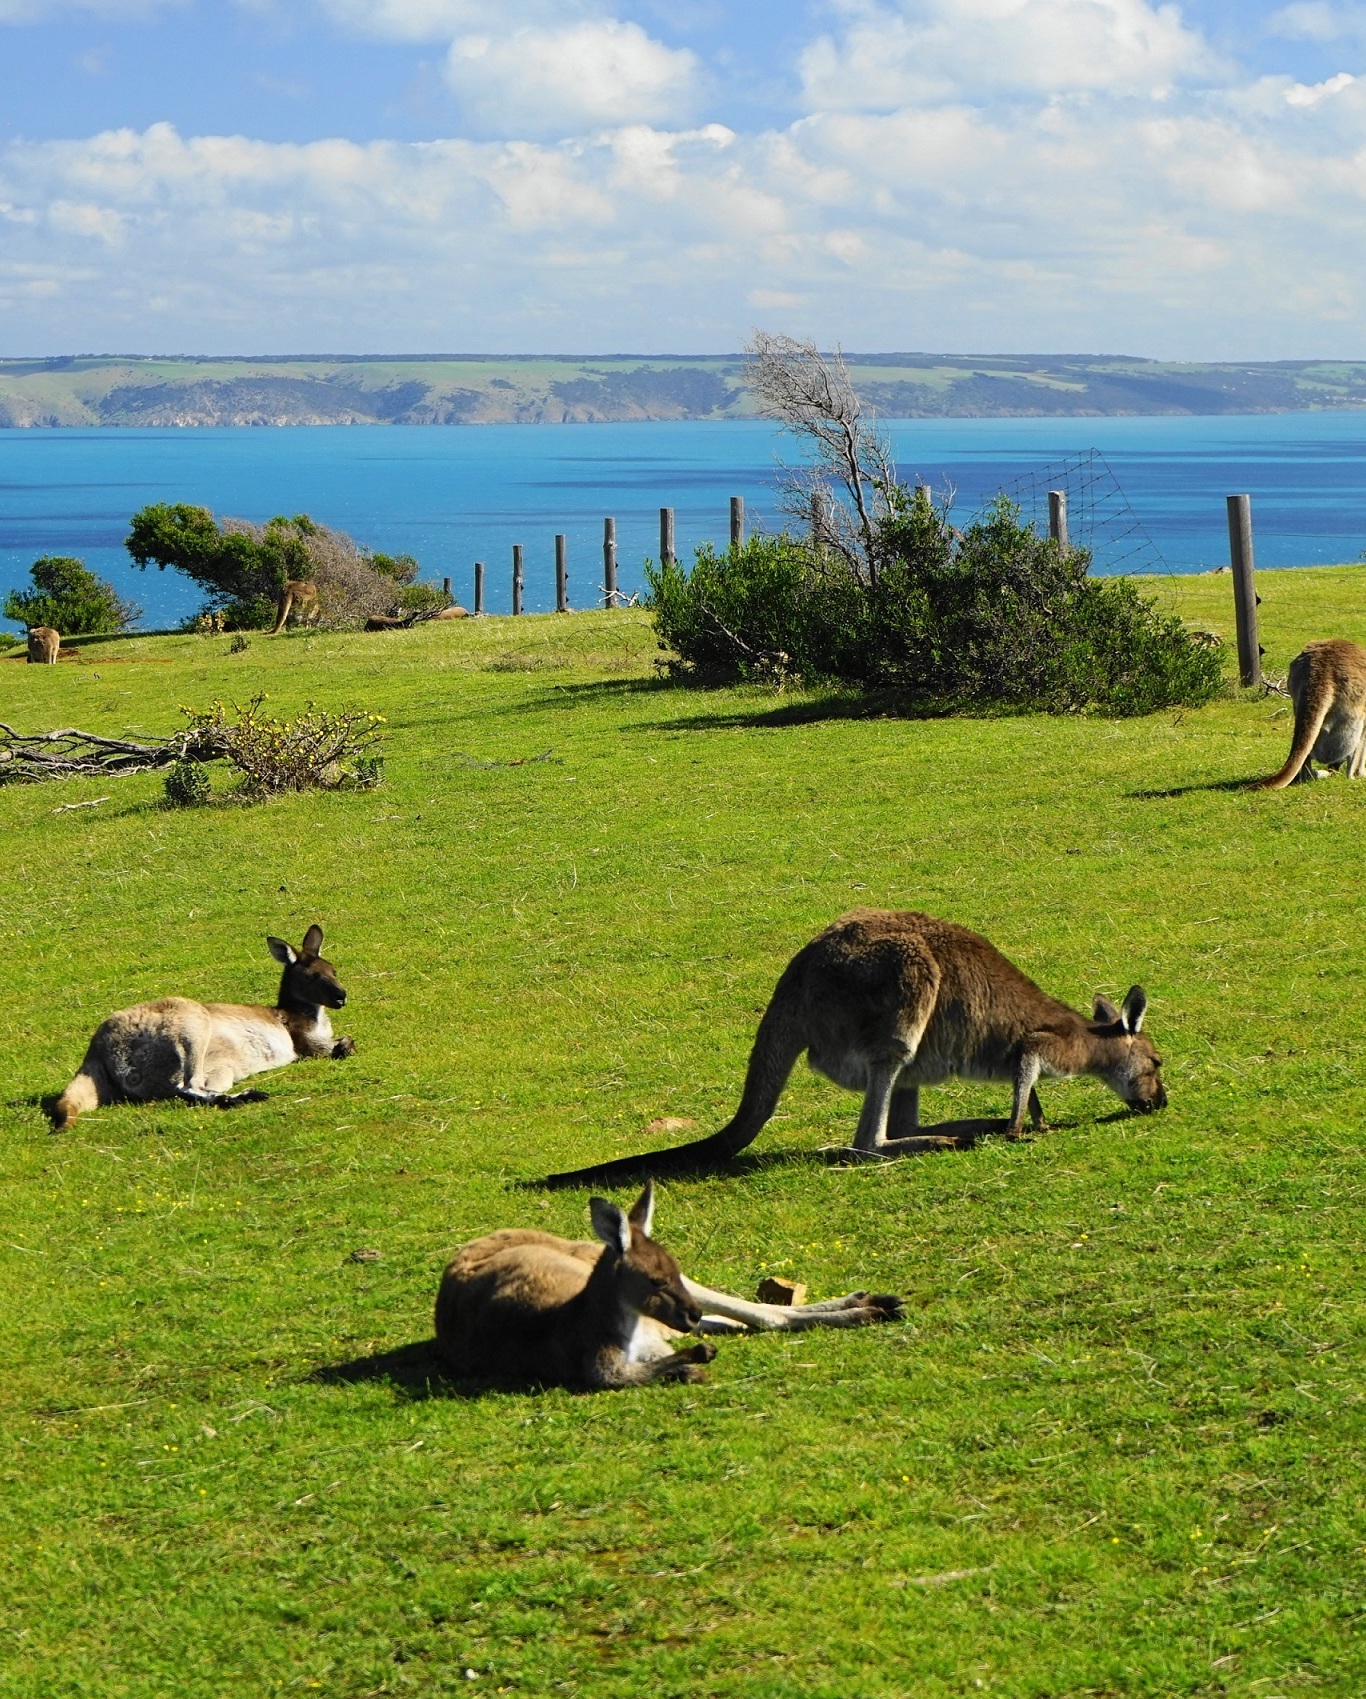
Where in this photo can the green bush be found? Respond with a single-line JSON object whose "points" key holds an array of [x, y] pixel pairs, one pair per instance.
{"points": [[69, 597], [739, 615], [187, 784], [242, 569], [993, 616], [318, 749], [425, 597]]}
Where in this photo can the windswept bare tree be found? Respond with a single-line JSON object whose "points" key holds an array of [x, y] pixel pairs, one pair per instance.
{"points": [[811, 395]]}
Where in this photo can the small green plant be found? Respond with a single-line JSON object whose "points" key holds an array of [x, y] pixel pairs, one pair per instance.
{"points": [[317, 750], [69, 597], [240, 643], [187, 784], [368, 771]]}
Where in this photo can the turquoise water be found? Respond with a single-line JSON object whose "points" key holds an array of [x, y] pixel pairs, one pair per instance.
{"points": [[451, 496]]}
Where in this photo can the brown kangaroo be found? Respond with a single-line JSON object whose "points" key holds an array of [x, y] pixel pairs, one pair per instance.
{"points": [[43, 645], [299, 601], [524, 1306], [1328, 688], [884, 1002], [199, 1051]]}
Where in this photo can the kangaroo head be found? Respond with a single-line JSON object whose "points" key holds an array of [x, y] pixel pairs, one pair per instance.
{"points": [[307, 980], [646, 1278], [1128, 1062]]}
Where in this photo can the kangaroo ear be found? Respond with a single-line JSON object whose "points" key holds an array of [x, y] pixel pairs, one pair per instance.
{"points": [[313, 940], [610, 1225], [283, 953], [643, 1209], [1104, 1010], [1135, 1007]]}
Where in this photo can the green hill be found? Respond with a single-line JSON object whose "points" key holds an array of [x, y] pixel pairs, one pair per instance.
{"points": [[475, 390]]}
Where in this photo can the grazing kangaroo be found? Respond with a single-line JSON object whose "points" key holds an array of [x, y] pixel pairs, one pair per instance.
{"points": [[520, 1305], [43, 644], [885, 1002], [199, 1051], [1328, 688], [298, 600]]}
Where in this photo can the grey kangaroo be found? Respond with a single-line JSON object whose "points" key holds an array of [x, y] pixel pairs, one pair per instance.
{"points": [[525, 1306], [885, 1002]]}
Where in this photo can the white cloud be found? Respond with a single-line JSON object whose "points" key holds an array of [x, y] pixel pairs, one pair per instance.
{"points": [[966, 200], [442, 20], [1314, 20], [1302, 94], [912, 50], [551, 81]]}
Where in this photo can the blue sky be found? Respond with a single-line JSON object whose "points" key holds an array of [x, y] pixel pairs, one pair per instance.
{"points": [[226, 176]]}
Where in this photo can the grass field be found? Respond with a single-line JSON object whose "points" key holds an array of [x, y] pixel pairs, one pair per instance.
{"points": [[1116, 1449]]}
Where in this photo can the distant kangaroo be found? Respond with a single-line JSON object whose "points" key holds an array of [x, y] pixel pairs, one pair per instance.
{"points": [[199, 1051], [1328, 688], [43, 645], [525, 1306], [299, 599], [884, 1002]]}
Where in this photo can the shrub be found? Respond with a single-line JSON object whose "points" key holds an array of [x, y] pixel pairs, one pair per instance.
{"points": [[993, 616], [69, 597], [317, 750], [187, 784], [737, 615], [242, 566]]}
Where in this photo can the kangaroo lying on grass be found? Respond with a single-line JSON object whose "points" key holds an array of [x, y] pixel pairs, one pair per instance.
{"points": [[1328, 688], [522, 1306], [884, 1002], [199, 1051]]}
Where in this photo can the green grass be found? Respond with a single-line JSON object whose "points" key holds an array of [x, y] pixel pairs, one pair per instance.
{"points": [[1117, 1447]]}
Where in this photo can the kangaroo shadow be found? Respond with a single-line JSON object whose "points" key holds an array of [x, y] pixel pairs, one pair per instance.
{"points": [[1191, 790], [682, 1162], [415, 1372]]}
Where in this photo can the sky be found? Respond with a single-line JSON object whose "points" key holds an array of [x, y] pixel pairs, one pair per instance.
{"points": [[1181, 181]]}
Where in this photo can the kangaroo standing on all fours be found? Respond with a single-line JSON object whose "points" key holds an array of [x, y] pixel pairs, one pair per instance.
{"points": [[884, 1002], [1328, 687], [199, 1051]]}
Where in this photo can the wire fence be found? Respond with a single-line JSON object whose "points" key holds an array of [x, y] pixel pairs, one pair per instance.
{"points": [[1099, 517]]}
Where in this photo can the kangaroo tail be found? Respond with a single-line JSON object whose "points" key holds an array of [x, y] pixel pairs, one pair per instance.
{"points": [[777, 1045], [81, 1095], [1310, 712], [286, 602]]}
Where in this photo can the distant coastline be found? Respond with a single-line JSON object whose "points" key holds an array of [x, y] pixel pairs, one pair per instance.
{"points": [[95, 390]]}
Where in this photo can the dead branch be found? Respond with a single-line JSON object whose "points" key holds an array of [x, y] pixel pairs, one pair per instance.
{"points": [[69, 753]]}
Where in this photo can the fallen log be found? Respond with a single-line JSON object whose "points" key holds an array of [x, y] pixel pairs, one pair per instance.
{"points": [[70, 754]]}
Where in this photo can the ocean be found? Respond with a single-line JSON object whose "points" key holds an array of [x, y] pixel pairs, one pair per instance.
{"points": [[1148, 493]]}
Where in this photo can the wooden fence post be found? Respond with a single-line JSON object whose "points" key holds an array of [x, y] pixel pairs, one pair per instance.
{"points": [[479, 586], [1057, 518], [445, 586], [561, 573], [666, 537], [609, 563], [737, 522], [517, 579], [1245, 597]]}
